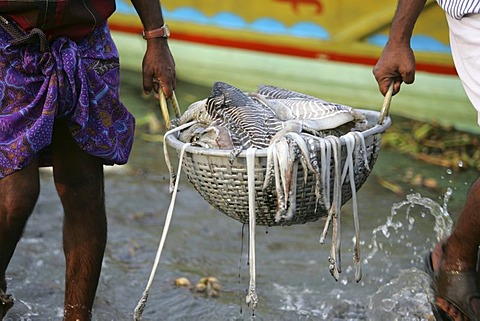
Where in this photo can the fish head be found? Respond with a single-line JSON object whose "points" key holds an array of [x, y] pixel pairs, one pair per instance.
{"points": [[196, 111], [224, 95], [357, 115]]}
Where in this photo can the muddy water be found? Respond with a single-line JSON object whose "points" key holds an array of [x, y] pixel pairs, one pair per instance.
{"points": [[293, 281]]}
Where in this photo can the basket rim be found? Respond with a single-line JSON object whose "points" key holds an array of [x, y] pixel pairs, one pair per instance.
{"points": [[173, 141]]}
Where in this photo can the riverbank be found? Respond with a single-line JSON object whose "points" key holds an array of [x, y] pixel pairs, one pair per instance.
{"points": [[433, 143]]}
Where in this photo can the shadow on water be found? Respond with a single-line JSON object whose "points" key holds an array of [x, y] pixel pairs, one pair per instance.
{"points": [[293, 281]]}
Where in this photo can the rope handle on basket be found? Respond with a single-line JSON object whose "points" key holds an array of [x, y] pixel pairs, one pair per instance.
{"points": [[386, 104], [164, 108]]}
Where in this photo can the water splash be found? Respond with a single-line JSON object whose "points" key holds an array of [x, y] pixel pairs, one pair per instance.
{"points": [[408, 296], [443, 221]]}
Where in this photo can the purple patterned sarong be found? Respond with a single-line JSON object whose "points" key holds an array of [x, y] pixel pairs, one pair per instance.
{"points": [[74, 81]]}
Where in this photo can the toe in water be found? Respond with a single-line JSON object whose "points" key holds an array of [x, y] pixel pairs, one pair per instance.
{"points": [[6, 302]]}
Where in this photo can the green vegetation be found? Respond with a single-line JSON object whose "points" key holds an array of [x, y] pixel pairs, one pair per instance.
{"points": [[434, 144]]}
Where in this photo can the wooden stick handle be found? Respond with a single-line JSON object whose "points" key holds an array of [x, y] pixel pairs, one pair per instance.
{"points": [[386, 104]]}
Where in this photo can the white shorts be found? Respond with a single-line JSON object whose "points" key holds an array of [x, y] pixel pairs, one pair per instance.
{"points": [[465, 44]]}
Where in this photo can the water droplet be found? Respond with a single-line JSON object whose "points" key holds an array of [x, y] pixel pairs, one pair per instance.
{"points": [[449, 171], [460, 163], [388, 304], [411, 220]]}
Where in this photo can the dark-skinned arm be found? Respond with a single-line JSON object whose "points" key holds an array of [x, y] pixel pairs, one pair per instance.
{"points": [[158, 67], [397, 61]]}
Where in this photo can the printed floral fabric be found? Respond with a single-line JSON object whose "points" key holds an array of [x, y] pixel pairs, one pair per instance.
{"points": [[74, 81], [72, 18]]}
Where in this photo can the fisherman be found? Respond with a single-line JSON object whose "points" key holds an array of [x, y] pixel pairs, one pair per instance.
{"points": [[453, 262], [60, 107]]}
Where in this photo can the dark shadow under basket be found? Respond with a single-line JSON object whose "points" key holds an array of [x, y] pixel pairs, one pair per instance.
{"points": [[224, 184]]}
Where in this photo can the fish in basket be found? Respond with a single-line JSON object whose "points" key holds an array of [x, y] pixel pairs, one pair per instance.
{"points": [[276, 157], [304, 145]]}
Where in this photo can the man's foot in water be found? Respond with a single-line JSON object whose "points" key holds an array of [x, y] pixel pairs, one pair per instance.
{"points": [[456, 283], [6, 302]]}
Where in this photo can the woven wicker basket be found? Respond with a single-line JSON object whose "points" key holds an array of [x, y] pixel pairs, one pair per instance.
{"points": [[224, 184]]}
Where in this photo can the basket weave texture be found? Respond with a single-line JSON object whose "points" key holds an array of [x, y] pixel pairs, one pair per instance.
{"points": [[224, 185]]}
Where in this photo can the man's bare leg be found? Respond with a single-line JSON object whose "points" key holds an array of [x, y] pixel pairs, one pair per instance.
{"points": [[79, 182], [18, 195], [460, 251]]}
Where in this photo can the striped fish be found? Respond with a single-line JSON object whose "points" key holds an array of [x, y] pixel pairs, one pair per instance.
{"points": [[250, 124], [316, 114]]}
